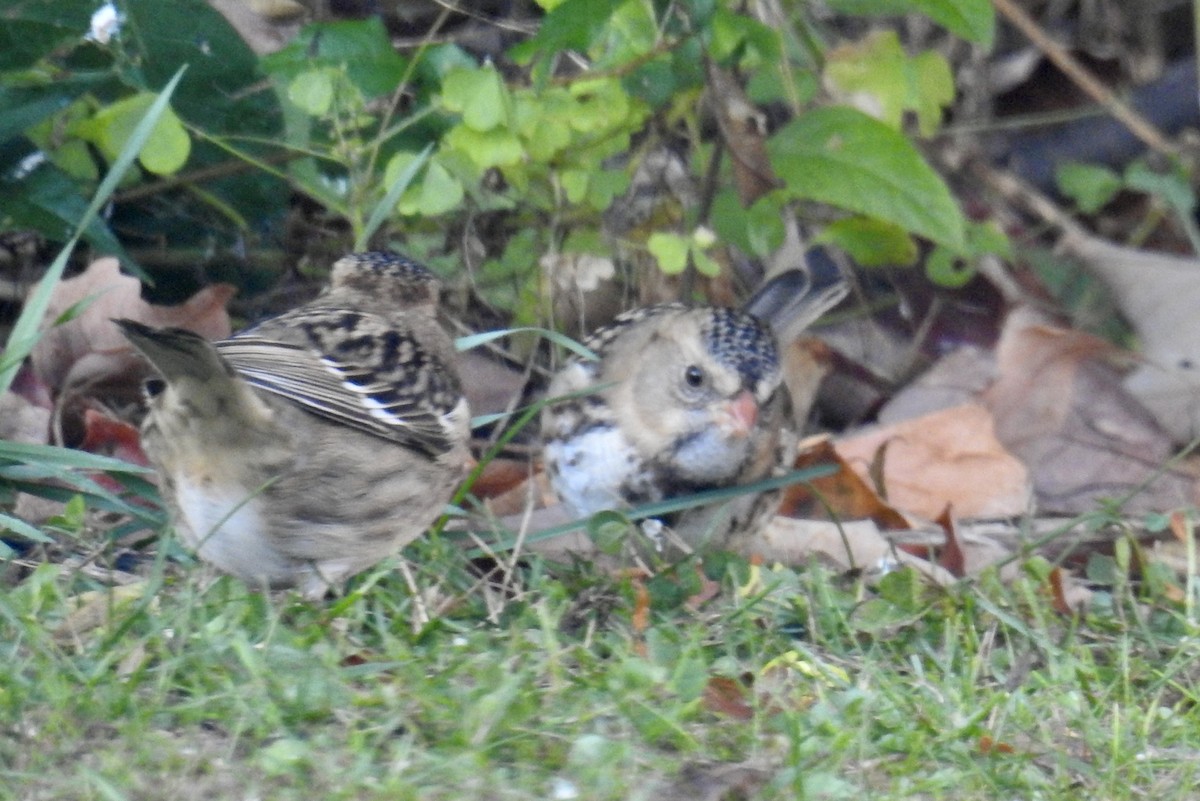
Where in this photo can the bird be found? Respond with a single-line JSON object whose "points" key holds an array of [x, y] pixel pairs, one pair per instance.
{"points": [[313, 445], [679, 400]]}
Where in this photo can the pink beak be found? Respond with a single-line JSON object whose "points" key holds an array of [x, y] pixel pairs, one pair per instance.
{"points": [[736, 418]]}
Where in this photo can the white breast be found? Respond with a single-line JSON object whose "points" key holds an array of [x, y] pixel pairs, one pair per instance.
{"points": [[590, 468], [225, 525]]}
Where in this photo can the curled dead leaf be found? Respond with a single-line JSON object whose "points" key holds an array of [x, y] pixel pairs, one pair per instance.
{"points": [[950, 457], [1060, 406], [844, 495]]}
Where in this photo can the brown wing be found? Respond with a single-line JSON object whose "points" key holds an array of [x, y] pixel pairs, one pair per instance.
{"points": [[358, 369]]}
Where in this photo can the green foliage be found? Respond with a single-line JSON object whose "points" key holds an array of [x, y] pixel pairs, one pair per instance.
{"points": [[970, 19], [1090, 186], [62, 92], [544, 157], [846, 158], [877, 72]]}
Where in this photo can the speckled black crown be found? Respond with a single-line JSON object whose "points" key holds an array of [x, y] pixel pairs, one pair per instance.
{"points": [[384, 271], [392, 265], [742, 343]]}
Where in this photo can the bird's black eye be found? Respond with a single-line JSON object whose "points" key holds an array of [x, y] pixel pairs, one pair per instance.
{"points": [[153, 387], [694, 376]]}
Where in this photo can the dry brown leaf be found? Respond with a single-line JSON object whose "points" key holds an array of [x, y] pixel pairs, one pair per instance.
{"points": [[989, 746], [844, 495], [852, 545], [958, 377], [948, 457], [1060, 406], [23, 421], [726, 696], [94, 609], [503, 481], [744, 132], [806, 362], [951, 556], [1156, 294]]}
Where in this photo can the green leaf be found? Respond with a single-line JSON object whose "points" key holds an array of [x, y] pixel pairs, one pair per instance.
{"points": [[971, 19], [609, 531], [165, 150], [439, 193], [24, 529], [1089, 185], [987, 238], [574, 184], [1173, 187], [730, 33], [475, 340], [543, 121], [871, 242], [397, 181], [52, 456], [944, 268], [601, 104], [931, 88], [705, 265], [604, 186], [480, 96], [218, 92], [877, 74], [572, 25], [495, 148], [843, 157], [312, 91], [361, 47], [670, 250], [872, 74], [906, 588], [25, 106], [48, 200], [758, 229], [24, 42]]}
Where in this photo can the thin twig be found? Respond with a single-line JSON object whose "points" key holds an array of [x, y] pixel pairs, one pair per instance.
{"points": [[1142, 128]]}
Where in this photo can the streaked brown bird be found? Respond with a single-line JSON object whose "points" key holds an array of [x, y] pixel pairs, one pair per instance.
{"points": [[682, 400], [308, 448]]}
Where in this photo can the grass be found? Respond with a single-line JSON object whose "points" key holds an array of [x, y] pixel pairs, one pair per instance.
{"points": [[563, 683]]}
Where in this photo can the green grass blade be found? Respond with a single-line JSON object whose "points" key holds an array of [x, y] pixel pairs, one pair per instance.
{"points": [[50, 455], [475, 340], [386, 206], [19, 526], [659, 508]]}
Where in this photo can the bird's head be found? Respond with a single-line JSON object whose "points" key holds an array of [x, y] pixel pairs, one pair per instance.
{"points": [[695, 384], [387, 278]]}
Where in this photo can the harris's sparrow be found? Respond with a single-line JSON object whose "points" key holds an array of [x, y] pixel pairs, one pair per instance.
{"points": [[681, 400], [316, 443]]}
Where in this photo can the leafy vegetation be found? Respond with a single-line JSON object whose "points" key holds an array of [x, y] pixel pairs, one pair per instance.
{"points": [[538, 152]]}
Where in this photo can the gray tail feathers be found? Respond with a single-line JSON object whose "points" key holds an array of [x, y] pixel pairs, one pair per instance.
{"points": [[792, 300], [176, 353]]}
